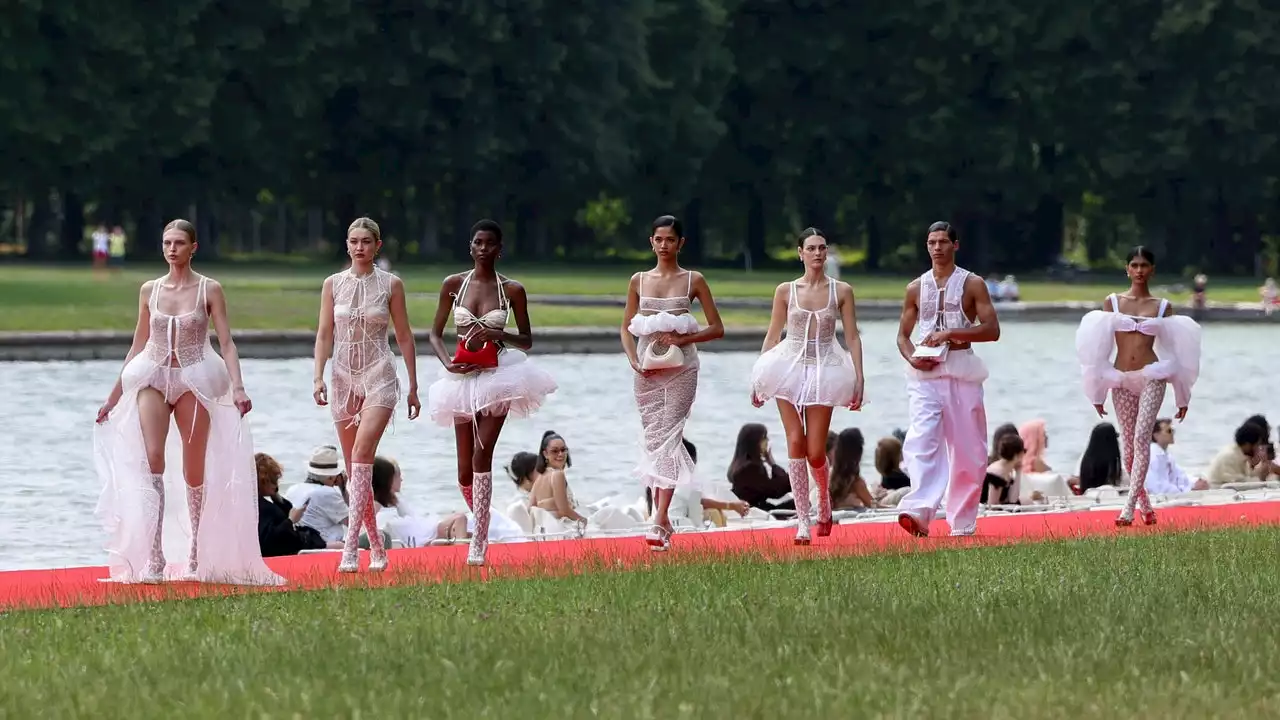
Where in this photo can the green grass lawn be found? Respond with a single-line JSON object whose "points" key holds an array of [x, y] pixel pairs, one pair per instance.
{"points": [[1152, 627], [286, 297]]}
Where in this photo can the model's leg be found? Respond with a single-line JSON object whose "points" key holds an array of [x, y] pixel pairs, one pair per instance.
{"points": [[193, 427], [924, 454], [489, 427], [1148, 410], [964, 424], [464, 435], [817, 421], [360, 510], [797, 467], [153, 415]]}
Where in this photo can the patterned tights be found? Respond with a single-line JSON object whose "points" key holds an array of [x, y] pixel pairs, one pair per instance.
{"points": [[1137, 415]]}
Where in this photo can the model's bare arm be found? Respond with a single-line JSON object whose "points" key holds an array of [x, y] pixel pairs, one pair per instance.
{"points": [[907, 323], [988, 327]]}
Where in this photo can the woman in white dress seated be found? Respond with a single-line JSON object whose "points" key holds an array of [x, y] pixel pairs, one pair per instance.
{"points": [[411, 527], [689, 507]]}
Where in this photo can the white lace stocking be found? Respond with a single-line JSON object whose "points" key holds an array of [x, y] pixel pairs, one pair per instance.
{"points": [[360, 493], [155, 514], [482, 487], [195, 508], [798, 473]]}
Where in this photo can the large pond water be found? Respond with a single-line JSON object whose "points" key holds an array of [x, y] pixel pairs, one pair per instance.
{"points": [[48, 488]]}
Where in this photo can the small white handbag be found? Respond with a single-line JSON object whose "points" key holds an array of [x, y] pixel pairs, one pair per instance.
{"points": [[672, 357]]}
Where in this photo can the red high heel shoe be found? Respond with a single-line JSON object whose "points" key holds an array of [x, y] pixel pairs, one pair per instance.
{"points": [[824, 527], [1149, 517]]}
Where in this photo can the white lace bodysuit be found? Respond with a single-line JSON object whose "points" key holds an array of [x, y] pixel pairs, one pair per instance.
{"points": [[178, 357], [364, 371], [808, 367]]}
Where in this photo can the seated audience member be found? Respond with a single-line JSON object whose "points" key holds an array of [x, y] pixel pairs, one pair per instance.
{"points": [[1263, 463], [1035, 440], [398, 521], [278, 533], [323, 495], [1101, 464], [889, 464], [753, 475], [688, 503], [1231, 465], [848, 488], [1164, 477], [1003, 475], [1003, 430]]}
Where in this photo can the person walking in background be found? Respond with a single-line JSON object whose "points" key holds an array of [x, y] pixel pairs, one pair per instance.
{"points": [[946, 310], [101, 248], [117, 245]]}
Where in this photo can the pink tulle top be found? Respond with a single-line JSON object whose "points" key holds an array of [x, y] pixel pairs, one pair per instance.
{"points": [[1177, 352]]}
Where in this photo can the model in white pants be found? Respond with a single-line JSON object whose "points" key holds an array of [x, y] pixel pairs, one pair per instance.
{"points": [[945, 311]]}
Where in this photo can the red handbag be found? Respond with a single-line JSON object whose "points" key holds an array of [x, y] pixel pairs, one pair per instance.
{"points": [[486, 356]]}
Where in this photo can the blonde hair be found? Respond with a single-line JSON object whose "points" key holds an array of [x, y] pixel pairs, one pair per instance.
{"points": [[184, 226], [364, 223]]}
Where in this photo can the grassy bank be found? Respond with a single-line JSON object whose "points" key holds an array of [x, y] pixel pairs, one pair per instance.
{"points": [[1157, 626], [285, 297]]}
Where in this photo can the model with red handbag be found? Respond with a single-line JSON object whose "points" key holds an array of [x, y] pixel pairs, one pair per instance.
{"points": [[658, 312], [357, 306], [487, 377]]}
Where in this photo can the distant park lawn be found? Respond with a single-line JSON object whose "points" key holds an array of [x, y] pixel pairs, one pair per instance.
{"points": [[45, 298]]}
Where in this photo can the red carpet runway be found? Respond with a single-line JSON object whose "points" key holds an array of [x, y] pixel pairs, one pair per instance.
{"points": [[73, 587]]}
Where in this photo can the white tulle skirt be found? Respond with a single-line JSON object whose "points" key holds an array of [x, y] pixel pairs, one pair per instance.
{"points": [[822, 377], [228, 550], [516, 388]]}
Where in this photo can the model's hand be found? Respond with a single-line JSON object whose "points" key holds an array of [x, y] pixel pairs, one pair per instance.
{"points": [[1098, 408], [923, 364], [740, 507], [635, 365], [856, 403], [756, 400], [242, 401], [936, 338], [1182, 414], [320, 392], [480, 335], [105, 411], [461, 368], [415, 407]]}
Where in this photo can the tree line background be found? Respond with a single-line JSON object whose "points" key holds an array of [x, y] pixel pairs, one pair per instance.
{"points": [[1041, 130]]}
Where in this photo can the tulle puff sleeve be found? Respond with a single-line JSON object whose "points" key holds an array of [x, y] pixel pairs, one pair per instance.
{"points": [[1178, 341], [642, 325], [1095, 341]]}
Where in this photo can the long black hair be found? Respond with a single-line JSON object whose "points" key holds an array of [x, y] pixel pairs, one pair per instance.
{"points": [[1101, 463], [747, 449], [521, 466], [848, 461], [384, 474], [1002, 431], [547, 437]]}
